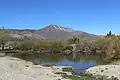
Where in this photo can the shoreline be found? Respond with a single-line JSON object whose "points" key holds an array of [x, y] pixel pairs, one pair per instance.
{"points": [[17, 69], [110, 71]]}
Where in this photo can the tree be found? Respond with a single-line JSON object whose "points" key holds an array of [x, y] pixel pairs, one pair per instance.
{"points": [[3, 44], [3, 38], [74, 40], [109, 34]]}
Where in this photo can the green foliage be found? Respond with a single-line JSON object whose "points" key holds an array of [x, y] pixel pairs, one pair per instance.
{"points": [[40, 46], [74, 40], [110, 34], [57, 47], [26, 45]]}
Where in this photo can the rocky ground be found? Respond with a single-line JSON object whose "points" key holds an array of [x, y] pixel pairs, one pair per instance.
{"points": [[107, 70], [17, 69]]}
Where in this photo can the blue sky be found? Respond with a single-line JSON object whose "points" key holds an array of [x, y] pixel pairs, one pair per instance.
{"points": [[93, 16]]}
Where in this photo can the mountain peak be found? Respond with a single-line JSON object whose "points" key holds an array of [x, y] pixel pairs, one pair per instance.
{"points": [[60, 28]]}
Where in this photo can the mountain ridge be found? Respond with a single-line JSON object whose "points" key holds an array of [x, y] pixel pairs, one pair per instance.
{"points": [[50, 32]]}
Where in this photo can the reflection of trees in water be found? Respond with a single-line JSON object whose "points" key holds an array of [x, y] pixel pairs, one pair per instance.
{"points": [[52, 58], [73, 57], [58, 57]]}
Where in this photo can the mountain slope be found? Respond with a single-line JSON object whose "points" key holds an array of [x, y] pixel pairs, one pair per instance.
{"points": [[56, 32], [51, 32], [16, 34]]}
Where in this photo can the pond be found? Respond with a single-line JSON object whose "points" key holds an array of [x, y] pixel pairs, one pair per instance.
{"points": [[78, 66], [79, 63]]}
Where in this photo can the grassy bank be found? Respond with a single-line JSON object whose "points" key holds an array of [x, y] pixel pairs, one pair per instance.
{"points": [[108, 48]]}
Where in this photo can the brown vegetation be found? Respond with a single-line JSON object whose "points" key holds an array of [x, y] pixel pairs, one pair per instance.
{"points": [[107, 47]]}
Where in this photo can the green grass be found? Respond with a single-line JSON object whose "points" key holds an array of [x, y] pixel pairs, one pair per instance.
{"points": [[84, 77], [72, 77], [67, 69], [87, 77]]}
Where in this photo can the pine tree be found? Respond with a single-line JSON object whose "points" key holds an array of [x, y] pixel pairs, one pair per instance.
{"points": [[109, 34]]}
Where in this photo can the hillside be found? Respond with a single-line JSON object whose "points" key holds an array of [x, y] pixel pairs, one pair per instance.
{"points": [[51, 32]]}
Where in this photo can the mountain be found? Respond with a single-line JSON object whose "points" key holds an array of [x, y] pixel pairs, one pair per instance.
{"points": [[56, 32], [16, 34], [51, 32]]}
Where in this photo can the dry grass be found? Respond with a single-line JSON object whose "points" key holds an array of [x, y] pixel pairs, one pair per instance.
{"points": [[108, 47]]}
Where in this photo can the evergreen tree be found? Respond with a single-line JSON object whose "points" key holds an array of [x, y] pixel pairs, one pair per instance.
{"points": [[109, 34]]}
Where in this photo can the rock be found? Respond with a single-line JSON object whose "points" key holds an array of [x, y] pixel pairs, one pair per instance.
{"points": [[26, 65], [2, 54], [106, 70], [67, 51], [9, 70], [102, 70]]}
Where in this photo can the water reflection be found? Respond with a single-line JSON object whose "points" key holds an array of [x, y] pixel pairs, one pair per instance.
{"points": [[77, 65], [78, 62]]}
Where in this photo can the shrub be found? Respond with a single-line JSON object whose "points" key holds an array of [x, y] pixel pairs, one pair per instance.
{"points": [[73, 40], [107, 47]]}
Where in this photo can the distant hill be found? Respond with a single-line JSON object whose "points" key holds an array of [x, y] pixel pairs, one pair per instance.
{"points": [[56, 32], [51, 32]]}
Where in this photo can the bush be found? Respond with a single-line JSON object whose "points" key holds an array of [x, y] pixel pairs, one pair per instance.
{"points": [[107, 47], [73, 40], [40, 46]]}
